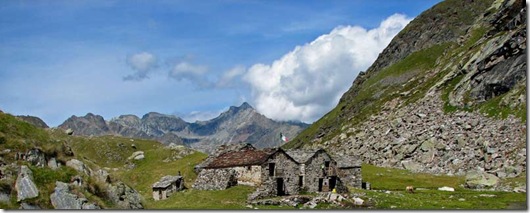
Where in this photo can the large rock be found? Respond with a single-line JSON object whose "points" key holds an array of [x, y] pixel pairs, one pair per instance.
{"points": [[79, 166], [24, 185], [124, 196], [138, 155], [52, 163], [36, 157], [62, 198], [480, 180]]}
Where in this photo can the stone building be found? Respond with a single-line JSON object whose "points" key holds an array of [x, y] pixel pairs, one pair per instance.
{"points": [[278, 172], [243, 166], [167, 186]]}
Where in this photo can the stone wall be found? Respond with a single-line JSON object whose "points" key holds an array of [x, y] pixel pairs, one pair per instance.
{"points": [[248, 175], [351, 176], [285, 168], [313, 171], [215, 179]]}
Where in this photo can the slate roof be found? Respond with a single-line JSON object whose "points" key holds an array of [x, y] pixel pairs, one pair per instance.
{"points": [[347, 161], [246, 157], [301, 156], [166, 181]]}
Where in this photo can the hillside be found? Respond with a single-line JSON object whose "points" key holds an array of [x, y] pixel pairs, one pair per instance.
{"points": [[447, 95], [237, 124], [103, 177]]}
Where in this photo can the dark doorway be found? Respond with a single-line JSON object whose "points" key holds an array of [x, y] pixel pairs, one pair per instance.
{"points": [[280, 187], [271, 169], [300, 181], [320, 182], [332, 182]]}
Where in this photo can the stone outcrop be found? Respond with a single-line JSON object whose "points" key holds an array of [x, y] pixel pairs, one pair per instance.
{"points": [[481, 180], [63, 198], [124, 196], [215, 179], [24, 185], [36, 157], [79, 166]]}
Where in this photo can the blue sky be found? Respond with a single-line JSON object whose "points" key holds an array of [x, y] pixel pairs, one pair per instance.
{"points": [[291, 60]]}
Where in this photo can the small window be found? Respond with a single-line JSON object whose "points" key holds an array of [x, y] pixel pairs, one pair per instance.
{"points": [[326, 163], [249, 168]]}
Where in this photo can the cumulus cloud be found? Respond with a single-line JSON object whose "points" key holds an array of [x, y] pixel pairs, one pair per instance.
{"points": [[307, 82], [196, 74], [142, 63]]}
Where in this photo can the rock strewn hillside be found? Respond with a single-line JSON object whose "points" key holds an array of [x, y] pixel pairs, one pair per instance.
{"points": [[446, 96], [238, 124]]}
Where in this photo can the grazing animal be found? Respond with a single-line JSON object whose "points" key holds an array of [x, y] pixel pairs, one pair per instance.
{"points": [[410, 189]]}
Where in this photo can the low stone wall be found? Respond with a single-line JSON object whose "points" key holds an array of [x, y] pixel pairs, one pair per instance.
{"points": [[215, 179]]}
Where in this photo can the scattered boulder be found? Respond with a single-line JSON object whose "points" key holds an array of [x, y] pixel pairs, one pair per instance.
{"points": [[79, 166], [138, 155], [52, 163], [124, 196], [358, 201], [36, 157], [24, 185], [62, 198], [480, 180]]}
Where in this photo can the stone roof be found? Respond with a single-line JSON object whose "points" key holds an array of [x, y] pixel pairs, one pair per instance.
{"points": [[347, 161], [166, 181], [301, 156], [245, 157]]}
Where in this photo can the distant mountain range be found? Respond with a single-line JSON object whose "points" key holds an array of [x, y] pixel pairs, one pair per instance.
{"points": [[238, 124]]}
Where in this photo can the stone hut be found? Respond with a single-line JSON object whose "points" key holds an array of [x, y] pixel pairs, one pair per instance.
{"points": [[234, 167], [167, 186]]}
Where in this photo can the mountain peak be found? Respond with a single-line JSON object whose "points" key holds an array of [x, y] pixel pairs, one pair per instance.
{"points": [[245, 105]]}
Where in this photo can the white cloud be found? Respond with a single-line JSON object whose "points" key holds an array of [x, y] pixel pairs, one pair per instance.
{"points": [[229, 77], [308, 81], [194, 73], [202, 115], [142, 63]]}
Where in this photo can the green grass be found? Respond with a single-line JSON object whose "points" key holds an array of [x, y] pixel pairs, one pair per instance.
{"points": [[232, 198], [395, 181]]}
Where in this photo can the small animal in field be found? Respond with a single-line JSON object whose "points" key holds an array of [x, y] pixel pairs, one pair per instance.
{"points": [[410, 189]]}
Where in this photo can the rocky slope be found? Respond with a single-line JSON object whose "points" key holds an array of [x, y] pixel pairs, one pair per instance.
{"points": [[238, 124], [446, 96]]}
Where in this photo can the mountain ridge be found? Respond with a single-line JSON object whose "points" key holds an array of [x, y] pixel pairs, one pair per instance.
{"points": [[237, 124]]}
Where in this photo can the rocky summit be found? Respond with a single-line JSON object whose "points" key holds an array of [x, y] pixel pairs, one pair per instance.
{"points": [[447, 96], [237, 124]]}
